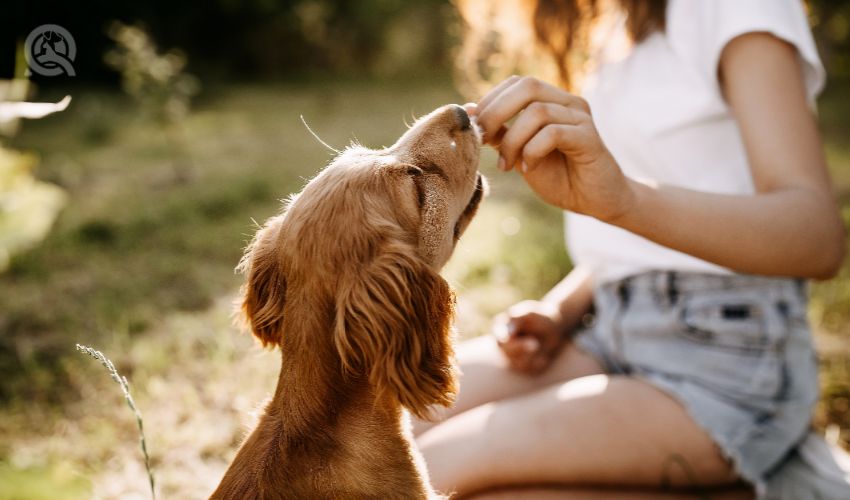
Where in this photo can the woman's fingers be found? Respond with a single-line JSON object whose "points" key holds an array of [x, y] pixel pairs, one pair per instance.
{"points": [[518, 347], [555, 137], [505, 102], [535, 117], [521, 352], [495, 91], [526, 336]]}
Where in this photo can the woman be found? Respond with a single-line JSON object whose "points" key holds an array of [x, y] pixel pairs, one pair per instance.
{"points": [[698, 202]]}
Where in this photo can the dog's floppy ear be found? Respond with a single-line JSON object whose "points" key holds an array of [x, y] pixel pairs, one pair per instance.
{"points": [[394, 325], [264, 292]]}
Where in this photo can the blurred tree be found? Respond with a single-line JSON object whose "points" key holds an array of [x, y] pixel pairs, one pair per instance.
{"points": [[158, 83], [289, 38], [830, 21], [232, 38]]}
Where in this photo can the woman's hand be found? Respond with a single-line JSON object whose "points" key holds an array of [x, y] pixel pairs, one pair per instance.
{"points": [[530, 335], [555, 146]]}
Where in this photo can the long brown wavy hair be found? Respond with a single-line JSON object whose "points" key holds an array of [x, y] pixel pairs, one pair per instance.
{"points": [[547, 38]]}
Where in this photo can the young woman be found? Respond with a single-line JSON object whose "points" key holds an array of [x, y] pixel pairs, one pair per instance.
{"points": [[698, 204]]}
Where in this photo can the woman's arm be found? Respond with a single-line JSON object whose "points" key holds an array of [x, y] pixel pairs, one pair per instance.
{"points": [[790, 227], [572, 297]]}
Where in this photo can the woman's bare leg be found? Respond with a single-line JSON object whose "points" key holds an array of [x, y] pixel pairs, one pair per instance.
{"points": [[485, 376], [551, 493], [590, 431]]}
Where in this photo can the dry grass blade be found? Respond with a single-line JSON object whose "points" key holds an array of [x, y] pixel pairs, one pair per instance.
{"points": [[125, 388]]}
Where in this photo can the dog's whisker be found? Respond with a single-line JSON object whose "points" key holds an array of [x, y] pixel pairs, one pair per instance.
{"points": [[323, 143]]}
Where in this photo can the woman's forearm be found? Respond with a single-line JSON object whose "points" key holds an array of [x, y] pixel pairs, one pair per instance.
{"points": [[788, 232], [572, 296]]}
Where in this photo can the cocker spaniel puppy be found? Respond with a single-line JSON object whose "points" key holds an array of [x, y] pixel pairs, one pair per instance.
{"points": [[345, 281]]}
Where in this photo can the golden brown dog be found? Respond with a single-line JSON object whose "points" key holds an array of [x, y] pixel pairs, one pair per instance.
{"points": [[345, 281]]}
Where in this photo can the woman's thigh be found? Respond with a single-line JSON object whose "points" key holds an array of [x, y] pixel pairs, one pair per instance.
{"points": [[552, 493], [594, 430], [485, 376]]}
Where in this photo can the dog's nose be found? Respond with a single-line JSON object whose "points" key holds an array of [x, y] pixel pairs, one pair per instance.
{"points": [[462, 117]]}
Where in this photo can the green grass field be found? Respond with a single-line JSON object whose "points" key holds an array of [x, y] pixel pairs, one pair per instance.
{"points": [[140, 265]]}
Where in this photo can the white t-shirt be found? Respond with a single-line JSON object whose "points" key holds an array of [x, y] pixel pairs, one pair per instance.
{"points": [[660, 112]]}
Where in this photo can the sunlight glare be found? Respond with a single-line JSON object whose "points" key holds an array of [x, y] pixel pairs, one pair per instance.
{"points": [[583, 387], [511, 226]]}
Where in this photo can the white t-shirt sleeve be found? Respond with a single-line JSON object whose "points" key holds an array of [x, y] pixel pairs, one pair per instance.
{"points": [[698, 30]]}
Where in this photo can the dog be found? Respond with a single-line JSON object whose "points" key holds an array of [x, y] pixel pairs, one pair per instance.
{"points": [[345, 282]]}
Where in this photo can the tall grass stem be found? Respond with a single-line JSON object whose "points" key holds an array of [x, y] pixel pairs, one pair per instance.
{"points": [[125, 388]]}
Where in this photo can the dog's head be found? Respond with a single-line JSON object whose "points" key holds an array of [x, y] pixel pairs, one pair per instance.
{"points": [[361, 246]]}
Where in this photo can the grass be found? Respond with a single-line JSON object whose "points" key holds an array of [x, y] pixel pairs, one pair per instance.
{"points": [[131, 403], [39, 483], [141, 263]]}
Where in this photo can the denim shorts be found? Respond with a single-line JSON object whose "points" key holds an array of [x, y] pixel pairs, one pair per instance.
{"points": [[735, 350]]}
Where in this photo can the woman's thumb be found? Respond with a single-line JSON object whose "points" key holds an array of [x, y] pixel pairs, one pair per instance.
{"points": [[505, 331]]}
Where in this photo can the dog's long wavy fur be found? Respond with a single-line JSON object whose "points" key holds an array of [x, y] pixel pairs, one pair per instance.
{"points": [[363, 323]]}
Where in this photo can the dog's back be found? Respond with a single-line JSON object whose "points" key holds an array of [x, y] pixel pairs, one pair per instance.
{"points": [[368, 459]]}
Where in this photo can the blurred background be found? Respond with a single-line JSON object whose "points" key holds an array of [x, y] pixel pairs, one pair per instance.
{"points": [[122, 217]]}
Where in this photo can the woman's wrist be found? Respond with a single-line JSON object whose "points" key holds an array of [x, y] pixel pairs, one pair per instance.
{"points": [[629, 203], [570, 299], [566, 314], [568, 319]]}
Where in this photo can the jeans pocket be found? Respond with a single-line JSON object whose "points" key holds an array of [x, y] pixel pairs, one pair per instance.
{"points": [[738, 340], [738, 322]]}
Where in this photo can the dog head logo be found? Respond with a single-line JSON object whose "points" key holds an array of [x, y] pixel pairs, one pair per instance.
{"points": [[50, 50]]}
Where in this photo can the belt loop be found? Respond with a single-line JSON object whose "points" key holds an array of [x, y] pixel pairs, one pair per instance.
{"points": [[802, 288], [672, 288], [624, 290]]}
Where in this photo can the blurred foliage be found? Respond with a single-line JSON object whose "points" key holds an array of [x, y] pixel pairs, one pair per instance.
{"points": [[28, 206], [42, 483], [830, 20], [239, 39], [291, 38], [830, 304], [830, 300], [159, 84], [157, 81]]}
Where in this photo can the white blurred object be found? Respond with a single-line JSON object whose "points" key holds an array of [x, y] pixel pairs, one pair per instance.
{"points": [[828, 460], [815, 469], [28, 206], [11, 112], [14, 110]]}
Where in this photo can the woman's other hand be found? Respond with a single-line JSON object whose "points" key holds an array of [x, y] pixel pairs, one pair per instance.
{"points": [[530, 335], [554, 144]]}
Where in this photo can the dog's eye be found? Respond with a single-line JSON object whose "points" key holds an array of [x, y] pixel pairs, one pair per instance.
{"points": [[420, 191], [416, 175]]}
